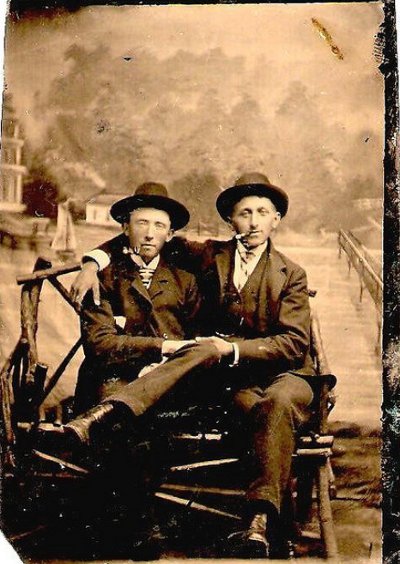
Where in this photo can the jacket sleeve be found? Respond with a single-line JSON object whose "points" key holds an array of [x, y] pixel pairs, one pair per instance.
{"points": [[192, 309], [179, 251], [291, 339], [185, 254], [107, 343], [113, 245], [103, 253]]}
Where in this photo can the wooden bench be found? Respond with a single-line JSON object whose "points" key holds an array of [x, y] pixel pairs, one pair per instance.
{"points": [[201, 434]]}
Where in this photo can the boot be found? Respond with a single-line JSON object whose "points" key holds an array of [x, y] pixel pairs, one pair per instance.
{"points": [[82, 425]]}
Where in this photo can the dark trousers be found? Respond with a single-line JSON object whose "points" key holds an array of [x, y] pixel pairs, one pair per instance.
{"points": [[272, 411]]}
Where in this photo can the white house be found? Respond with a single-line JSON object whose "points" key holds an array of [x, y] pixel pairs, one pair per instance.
{"points": [[98, 209], [11, 169]]}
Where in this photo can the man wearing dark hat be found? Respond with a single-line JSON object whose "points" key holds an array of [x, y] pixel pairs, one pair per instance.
{"points": [[256, 315], [145, 312]]}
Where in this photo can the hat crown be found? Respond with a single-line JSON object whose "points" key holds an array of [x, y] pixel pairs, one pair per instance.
{"points": [[151, 195], [252, 178], [151, 189], [251, 184]]}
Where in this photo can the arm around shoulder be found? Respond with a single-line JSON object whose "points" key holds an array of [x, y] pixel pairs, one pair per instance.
{"points": [[93, 262]]}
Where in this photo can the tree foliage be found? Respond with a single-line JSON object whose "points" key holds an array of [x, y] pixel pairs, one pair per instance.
{"points": [[195, 122]]}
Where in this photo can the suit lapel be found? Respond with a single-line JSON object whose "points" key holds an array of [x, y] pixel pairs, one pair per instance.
{"points": [[163, 282], [131, 273], [224, 261], [163, 279], [138, 287], [273, 281]]}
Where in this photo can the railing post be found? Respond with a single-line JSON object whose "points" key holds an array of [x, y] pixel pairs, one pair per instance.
{"points": [[361, 277], [34, 374], [348, 266]]}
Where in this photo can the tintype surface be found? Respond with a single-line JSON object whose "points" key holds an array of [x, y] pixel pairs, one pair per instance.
{"points": [[101, 97]]}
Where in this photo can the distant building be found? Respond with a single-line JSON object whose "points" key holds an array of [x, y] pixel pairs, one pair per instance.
{"points": [[98, 209], [11, 170]]}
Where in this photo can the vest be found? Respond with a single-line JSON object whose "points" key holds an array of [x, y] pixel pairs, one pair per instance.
{"points": [[239, 310]]}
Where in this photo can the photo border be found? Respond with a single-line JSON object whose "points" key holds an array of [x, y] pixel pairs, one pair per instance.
{"points": [[391, 245]]}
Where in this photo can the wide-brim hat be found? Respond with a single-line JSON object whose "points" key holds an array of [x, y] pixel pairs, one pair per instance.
{"points": [[151, 195], [251, 184]]}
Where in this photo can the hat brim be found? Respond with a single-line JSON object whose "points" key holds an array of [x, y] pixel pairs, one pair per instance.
{"points": [[177, 212], [231, 196]]}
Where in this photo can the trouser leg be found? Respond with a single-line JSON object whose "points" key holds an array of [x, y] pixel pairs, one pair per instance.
{"points": [[275, 414], [145, 392]]}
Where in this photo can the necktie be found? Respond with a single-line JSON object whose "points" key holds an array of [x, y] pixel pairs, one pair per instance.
{"points": [[245, 258], [145, 272], [146, 275]]}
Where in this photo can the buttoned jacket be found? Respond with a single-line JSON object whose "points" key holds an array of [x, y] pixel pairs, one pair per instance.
{"points": [[165, 311], [282, 333], [283, 316]]}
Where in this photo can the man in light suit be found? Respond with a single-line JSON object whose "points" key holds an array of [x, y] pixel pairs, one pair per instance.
{"points": [[256, 314]]}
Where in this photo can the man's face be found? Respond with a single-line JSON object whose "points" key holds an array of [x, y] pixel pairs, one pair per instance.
{"points": [[256, 217], [148, 229]]}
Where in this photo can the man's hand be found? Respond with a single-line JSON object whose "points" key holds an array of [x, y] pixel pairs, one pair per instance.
{"points": [[170, 347], [224, 347], [86, 280]]}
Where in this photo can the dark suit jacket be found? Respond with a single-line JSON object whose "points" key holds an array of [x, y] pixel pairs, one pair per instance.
{"points": [[166, 310], [281, 337], [283, 332]]}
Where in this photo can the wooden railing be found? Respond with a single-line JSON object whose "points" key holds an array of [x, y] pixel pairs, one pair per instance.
{"points": [[369, 275], [24, 383], [365, 265]]}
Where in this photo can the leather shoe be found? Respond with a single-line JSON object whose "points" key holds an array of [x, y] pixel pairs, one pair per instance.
{"points": [[252, 543], [85, 441], [257, 537]]}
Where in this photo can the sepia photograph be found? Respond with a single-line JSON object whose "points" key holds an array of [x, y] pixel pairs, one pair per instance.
{"points": [[191, 232]]}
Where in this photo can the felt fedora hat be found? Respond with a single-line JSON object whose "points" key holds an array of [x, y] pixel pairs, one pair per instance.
{"points": [[151, 195], [251, 184]]}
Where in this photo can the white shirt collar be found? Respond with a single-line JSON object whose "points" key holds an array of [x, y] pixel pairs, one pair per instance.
{"points": [[152, 265], [241, 273], [257, 251]]}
